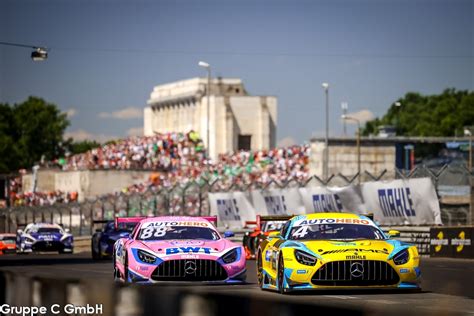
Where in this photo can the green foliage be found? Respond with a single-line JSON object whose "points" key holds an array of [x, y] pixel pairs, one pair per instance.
{"points": [[29, 131], [82, 147], [445, 114]]}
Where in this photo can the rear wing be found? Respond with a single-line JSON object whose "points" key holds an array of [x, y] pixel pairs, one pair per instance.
{"points": [[268, 218], [250, 223], [102, 221], [212, 219], [136, 219]]}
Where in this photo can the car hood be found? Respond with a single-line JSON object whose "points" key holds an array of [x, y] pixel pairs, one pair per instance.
{"points": [[327, 250], [47, 236], [189, 246]]}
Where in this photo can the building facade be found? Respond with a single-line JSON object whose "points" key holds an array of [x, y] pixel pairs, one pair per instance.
{"points": [[237, 120]]}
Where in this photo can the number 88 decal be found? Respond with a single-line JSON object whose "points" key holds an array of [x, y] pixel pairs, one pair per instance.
{"points": [[153, 231]]}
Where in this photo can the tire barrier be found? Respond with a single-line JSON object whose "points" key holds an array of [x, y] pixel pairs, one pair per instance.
{"points": [[76, 296], [452, 242]]}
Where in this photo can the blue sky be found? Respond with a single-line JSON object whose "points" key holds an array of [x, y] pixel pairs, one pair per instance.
{"points": [[106, 56]]}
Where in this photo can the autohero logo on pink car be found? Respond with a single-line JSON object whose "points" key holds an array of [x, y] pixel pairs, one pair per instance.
{"points": [[177, 250]]}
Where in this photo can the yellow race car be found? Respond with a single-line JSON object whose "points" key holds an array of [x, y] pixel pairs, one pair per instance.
{"points": [[335, 250]]}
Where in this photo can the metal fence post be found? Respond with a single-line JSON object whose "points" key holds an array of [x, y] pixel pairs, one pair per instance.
{"points": [[80, 221]]}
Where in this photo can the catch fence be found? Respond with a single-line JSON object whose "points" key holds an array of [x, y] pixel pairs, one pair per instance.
{"points": [[452, 182]]}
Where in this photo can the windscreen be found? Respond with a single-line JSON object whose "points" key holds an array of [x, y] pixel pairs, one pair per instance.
{"points": [[335, 232], [48, 230], [8, 239], [125, 227], [177, 232]]}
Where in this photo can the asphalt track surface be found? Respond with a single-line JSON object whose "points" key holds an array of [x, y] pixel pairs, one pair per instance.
{"points": [[447, 284]]}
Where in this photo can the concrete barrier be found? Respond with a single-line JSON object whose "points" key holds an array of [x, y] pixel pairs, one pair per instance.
{"points": [[116, 299]]}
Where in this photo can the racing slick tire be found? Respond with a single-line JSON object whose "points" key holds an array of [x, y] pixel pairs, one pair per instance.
{"points": [[94, 254], [125, 269], [259, 270], [116, 271], [281, 275]]}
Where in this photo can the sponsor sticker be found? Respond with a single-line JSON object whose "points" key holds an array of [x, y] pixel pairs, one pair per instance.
{"points": [[404, 270], [382, 251], [355, 257], [268, 255], [188, 250], [301, 271], [314, 221], [176, 223]]}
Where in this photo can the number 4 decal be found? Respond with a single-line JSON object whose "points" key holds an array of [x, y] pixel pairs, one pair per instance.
{"points": [[300, 232]]}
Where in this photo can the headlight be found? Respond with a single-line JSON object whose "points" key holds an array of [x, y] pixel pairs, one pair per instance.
{"points": [[146, 257], [29, 240], [401, 257], [231, 256], [66, 238], [305, 258]]}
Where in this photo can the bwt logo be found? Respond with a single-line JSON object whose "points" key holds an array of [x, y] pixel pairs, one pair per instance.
{"points": [[396, 202], [275, 204], [325, 203], [229, 209], [172, 251]]}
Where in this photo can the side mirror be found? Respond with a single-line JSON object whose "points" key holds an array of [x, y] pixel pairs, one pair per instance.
{"points": [[393, 233], [228, 234], [274, 234], [67, 230], [19, 231]]}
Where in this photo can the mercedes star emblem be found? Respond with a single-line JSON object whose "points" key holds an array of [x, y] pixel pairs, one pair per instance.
{"points": [[190, 267], [357, 269]]}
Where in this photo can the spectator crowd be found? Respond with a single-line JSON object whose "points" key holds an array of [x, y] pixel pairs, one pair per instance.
{"points": [[178, 158], [158, 152]]}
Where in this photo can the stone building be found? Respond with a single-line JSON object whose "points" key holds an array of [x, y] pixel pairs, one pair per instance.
{"points": [[237, 120]]}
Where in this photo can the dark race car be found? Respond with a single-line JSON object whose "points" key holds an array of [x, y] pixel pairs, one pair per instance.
{"points": [[263, 226], [44, 237], [103, 240]]}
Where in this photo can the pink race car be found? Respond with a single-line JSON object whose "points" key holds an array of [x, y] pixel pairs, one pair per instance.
{"points": [[171, 248]]}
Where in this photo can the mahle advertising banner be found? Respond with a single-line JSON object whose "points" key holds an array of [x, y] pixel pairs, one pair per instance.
{"points": [[402, 202], [332, 199], [278, 202], [397, 202], [233, 209]]}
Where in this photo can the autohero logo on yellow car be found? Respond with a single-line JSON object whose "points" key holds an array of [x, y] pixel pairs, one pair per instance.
{"points": [[460, 242], [332, 221]]}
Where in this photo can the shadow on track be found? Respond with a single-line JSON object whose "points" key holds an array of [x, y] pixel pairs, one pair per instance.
{"points": [[48, 259]]}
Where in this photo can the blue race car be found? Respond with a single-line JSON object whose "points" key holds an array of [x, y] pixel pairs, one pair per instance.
{"points": [[103, 240], [44, 237]]}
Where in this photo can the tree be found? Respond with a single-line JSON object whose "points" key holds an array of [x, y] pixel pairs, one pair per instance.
{"points": [[445, 114], [8, 151], [82, 146], [29, 131]]}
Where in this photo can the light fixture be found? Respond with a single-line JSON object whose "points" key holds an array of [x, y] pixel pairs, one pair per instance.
{"points": [[203, 64], [39, 54]]}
